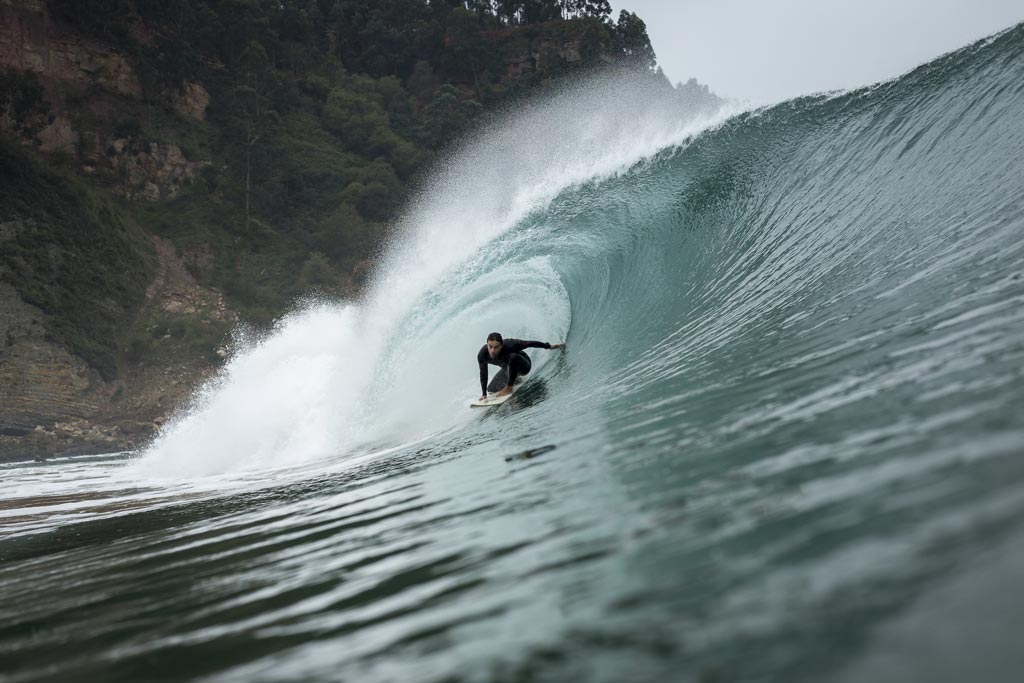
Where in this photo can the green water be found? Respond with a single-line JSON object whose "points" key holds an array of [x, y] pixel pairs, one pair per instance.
{"points": [[784, 444]]}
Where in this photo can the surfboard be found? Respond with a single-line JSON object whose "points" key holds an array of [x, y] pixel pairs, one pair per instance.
{"points": [[492, 401], [498, 382]]}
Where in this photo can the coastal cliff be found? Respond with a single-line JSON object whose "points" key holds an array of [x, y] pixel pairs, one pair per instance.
{"points": [[174, 170]]}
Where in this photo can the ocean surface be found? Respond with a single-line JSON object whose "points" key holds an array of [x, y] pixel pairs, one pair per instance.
{"points": [[785, 441]]}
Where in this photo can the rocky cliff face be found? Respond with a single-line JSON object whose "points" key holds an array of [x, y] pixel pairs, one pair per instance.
{"points": [[539, 54], [40, 378], [30, 41], [69, 65], [139, 169], [46, 389], [53, 403], [109, 145], [192, 100]]}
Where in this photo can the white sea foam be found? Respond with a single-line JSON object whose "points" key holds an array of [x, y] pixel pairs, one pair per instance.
{"points": [[400, 363]]}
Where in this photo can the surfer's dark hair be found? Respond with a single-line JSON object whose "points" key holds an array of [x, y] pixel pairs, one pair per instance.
{"points": [[494, 336]]}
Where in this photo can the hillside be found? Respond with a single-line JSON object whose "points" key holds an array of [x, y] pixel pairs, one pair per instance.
{"points": [[173, 169]]}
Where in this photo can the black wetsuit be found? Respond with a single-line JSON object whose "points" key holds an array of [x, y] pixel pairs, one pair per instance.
{"points": [[512, 360]]}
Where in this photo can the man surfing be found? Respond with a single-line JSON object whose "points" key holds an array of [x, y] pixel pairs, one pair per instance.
{"points": [[509, 355]]}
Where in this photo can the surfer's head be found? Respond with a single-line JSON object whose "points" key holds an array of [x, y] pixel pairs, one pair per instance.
{"points": [[494, 343]]}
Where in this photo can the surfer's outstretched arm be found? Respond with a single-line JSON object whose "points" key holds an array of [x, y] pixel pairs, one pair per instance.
{"points": [[481, 360], [541, 345]]}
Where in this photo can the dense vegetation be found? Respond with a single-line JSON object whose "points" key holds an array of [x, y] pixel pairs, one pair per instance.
{"points": [[89, 278], [321, 115]]}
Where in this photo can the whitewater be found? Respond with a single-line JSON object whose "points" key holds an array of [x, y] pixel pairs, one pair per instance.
{"points": [[784, 441]]}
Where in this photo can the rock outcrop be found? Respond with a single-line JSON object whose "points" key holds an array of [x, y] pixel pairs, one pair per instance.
{"points": [[30, 41], [66, 63], [541, 55], [191, 100], [141, 169], [175, 290], [53, 403], [41, 382]]}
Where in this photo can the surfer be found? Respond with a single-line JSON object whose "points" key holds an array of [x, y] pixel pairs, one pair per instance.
{"points": [[509, 355]]}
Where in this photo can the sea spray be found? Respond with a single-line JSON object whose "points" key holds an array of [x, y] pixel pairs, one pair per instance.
{"points": [[783, 443], [400, 363]]}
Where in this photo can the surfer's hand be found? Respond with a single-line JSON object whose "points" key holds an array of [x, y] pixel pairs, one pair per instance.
{"points": [[558, 346]]}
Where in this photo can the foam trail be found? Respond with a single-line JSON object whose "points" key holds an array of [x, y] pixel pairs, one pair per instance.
{"points": [[334, 377], [789, 410], [287, 393]]}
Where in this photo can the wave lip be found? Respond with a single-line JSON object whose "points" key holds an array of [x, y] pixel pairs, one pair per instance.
{"points": [[788, 415], [333, 377]]}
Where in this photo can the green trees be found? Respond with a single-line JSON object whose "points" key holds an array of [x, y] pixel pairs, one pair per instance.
{"points": [[321, 113], [70, 252], [22, 102], [537, 11], [251, 114], [632, 41], [447, 114], [383, 38]]}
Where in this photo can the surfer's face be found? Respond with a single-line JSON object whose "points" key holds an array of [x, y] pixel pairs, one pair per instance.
{"points": [[494, 348]]}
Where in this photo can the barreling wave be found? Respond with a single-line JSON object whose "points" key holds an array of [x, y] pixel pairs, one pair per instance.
{"points": [[679, 254], [473, 254], [789, 409]]}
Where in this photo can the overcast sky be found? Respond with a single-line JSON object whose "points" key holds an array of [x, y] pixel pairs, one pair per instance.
{"points": [[770, 50]]}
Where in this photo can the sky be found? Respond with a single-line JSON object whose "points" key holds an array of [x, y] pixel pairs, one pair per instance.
{"points": [[766, 51]]}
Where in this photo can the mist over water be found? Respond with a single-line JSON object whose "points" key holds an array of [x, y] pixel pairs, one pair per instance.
{"points": [[783, 443], [401, 363]]}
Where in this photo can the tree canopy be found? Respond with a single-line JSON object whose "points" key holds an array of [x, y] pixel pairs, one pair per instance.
{"points": [[321, 113]]}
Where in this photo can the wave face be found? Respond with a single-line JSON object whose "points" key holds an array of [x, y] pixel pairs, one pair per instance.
{"points": [[784, 441]]}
